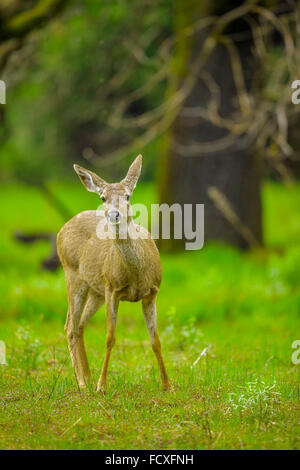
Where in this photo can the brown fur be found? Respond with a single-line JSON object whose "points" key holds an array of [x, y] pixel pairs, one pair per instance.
{"points": [[108, 270]]}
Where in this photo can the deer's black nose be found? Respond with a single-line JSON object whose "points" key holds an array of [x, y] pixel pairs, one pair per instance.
{"points": [[114, 216]]}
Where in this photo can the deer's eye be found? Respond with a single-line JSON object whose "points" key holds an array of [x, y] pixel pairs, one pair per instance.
{"points": [[103, 198], [127, 197]]}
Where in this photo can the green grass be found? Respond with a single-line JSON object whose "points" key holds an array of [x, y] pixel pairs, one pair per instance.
{"points": [[244, 308]]}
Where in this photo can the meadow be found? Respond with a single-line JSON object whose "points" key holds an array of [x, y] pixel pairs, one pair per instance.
{"points": [[227, 322]]}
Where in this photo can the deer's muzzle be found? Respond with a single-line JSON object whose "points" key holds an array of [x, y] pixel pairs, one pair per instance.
{"points": [[114, 217]]}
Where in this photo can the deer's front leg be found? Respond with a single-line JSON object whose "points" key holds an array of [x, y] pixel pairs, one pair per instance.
{"points": [[111, 316], [149, 309]]}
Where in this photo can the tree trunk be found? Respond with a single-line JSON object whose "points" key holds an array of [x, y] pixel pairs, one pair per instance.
{"points": [[190, 165]]}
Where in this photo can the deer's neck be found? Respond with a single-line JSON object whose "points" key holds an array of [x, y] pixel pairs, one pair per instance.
{"points": [[129, 250]]}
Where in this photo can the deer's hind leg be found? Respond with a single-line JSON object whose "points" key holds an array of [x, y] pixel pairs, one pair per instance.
{"points": [[149, 309], [82, 305]]}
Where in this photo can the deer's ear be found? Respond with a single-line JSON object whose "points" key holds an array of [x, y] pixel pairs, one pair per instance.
{"points": [[90, 180], [133, 174]]}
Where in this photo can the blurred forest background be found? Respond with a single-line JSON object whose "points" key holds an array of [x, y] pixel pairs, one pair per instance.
{"points": [[203, 90]]}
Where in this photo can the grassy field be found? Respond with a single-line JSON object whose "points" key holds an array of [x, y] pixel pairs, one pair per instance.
{"points": [[243, 308]]}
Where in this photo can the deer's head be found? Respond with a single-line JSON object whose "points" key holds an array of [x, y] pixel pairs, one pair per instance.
{"points": [[115, 196]]}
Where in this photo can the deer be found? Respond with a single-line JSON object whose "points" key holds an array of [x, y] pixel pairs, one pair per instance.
{"points": [[124, 265]]}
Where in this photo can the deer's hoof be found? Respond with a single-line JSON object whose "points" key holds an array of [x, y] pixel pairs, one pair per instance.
{"points": [[168, 388], [101, 389], [82, 386]]}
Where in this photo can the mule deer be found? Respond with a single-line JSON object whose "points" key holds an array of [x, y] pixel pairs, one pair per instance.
{"points": [[123, 266]]}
